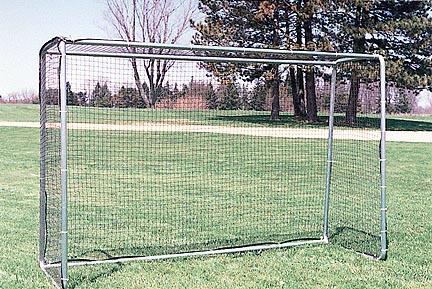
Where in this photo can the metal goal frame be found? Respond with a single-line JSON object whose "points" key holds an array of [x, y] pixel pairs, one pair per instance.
{"points": [[295, 57]]}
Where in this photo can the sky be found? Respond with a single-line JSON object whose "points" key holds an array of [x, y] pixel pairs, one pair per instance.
{"points": [[25, 25]]}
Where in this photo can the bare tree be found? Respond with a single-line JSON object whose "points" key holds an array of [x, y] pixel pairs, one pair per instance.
{"points": [[158, 21], [22, 96]]}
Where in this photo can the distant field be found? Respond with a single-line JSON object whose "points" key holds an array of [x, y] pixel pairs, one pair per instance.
{"points": [[157, 161], [30, 112]]}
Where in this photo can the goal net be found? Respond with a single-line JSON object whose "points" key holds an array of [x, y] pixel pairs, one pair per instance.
{"points": [[155, 151]]}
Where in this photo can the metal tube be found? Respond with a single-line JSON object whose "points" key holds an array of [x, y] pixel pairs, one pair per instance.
{"points": [[102, 42], [199, 58], [42, 168], [194, 254], [63, 166], [329, 155], [44, 268], [383, 253]]}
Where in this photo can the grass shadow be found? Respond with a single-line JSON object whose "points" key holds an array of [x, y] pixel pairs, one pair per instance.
{"points": [[357, 240], [91, 274]]}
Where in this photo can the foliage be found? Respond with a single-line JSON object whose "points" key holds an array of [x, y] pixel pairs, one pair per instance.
{"points": [[403, 103], [71, 98], [101, 96], [127, 97], [229, 98], [399, 30], [257, 97], [211, 97]]}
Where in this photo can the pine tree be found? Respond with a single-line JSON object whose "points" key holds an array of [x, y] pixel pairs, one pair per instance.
{"points": [[265, 24], [229, 99], [399, 30], [71, 98], [259, 94], [101, 96], [211, 97], [403, 102], [241, 23]]}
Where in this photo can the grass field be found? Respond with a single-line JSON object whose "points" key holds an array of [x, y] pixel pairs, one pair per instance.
{"points": [[330, 266], [30, 112]]}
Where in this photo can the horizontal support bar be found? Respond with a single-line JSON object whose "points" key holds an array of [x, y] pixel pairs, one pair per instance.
{"points": [[281, 51], [199, 58], [193, 254]]}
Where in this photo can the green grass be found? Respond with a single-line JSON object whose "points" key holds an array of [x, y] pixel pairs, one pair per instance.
{"points": [[30, 112], [19, 112], [410, 230]]}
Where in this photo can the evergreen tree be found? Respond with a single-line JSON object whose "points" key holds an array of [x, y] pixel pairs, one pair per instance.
{"points": [[403, 103], [101, 96], [266, 24], [399, 30], [241, 23], [81, 98], [229, 97], [211, 97], [259, 94], [71, 98], [128, 97]]}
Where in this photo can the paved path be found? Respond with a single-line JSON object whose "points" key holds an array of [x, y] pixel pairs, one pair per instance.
{"points": [[312, 133]]}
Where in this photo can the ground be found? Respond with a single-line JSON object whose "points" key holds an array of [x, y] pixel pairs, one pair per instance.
{"points": [[329, 266]]}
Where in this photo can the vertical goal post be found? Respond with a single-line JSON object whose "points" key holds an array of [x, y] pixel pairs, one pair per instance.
{"points": [[202, 171]]}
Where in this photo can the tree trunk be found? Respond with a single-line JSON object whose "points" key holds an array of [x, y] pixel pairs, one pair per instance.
{"points": [[300, 81], [299, 109], [139, 84], [275, 109], [312, 113], [358, 46], [301, 90], [351, 110]]}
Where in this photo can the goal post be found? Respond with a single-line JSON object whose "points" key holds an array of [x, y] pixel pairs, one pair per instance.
{"points": [[153, 151]]}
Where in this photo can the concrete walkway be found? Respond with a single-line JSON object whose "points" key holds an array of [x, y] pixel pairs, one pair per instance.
{"points": [[310, 133]]}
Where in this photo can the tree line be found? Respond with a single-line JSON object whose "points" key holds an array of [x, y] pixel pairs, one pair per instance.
{"points": [[399, 30], [229, 96]]}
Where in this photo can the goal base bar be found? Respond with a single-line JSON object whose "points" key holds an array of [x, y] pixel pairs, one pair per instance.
{"points": [[44, 268], [192, 254]]}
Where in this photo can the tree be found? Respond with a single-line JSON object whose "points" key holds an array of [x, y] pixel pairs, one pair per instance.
{"points": [[101, 96], [399, 30], [127, 97], [229, 98], [81, 98], [264, 24], [259, 94], [211, 97], [312, 111], [160, 21], [71, 97], [241, 23], [403, 103]]}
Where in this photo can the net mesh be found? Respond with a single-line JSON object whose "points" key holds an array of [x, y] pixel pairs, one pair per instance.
{"points": [[50, 161], [355, 190], [204, 167]]}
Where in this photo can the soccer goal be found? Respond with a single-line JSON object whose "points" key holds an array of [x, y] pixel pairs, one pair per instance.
{"points": [[153, 151]]}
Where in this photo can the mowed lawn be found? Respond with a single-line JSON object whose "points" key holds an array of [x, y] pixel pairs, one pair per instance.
{"points": [[330, 266], [30, 113]]}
